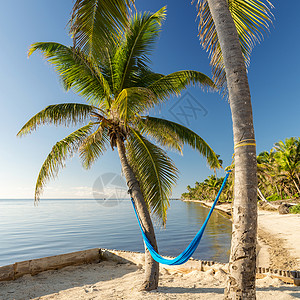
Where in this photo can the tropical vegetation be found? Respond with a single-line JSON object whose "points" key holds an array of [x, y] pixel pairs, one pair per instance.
{"points": [[208, 189], [120, 88], [279, 170], [278, 175], [295, 209]]}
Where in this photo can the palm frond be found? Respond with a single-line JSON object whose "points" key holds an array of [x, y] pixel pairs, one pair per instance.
{"points": [[132, 52], [95, 24], [174, 83], [164, 136], [76, 70], [155, 172], [251, 18], [144, 77], [174, 135], [59, 153], [93, 146], [132, 101], [58, 114]]}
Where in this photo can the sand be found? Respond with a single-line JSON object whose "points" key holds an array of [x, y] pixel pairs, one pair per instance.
{"points": [[282, 234], [111, 280]]}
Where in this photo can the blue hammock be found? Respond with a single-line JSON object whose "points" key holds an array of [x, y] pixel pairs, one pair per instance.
{"points": [[188, 252]]}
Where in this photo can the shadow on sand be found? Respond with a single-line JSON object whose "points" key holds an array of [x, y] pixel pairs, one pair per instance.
{"points": [[293, 290], [183, 290], [85, 276]]}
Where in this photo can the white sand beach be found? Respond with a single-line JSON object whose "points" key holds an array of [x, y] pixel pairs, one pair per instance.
{"points": [[112, 280], [109, 280], [282, 234]]}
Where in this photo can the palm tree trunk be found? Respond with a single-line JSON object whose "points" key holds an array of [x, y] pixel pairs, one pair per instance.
{"points": [[288, 193], [151, 266], [276, 187], [296, 185], [298, 179], [241, 283]]}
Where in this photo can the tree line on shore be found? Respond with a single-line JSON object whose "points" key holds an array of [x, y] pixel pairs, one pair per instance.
{"points": [[278, 173]]}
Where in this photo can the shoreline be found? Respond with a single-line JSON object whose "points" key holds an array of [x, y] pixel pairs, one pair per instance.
{"points": [[113, 274], [119, 275], [224, 209], [278, 243]]}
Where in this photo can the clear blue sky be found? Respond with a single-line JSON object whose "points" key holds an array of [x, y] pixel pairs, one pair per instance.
{"points": [[29, 85]]}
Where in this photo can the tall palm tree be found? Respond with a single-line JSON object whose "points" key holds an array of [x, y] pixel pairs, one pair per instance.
{"points": [[213, 184], [228, 30], [120, 88]]}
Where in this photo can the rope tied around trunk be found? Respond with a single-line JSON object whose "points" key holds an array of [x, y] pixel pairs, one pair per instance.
{"points": [[246, 142]]}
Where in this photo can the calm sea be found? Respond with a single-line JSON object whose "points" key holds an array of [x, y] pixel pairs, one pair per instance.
{"points": [[61, 226]]}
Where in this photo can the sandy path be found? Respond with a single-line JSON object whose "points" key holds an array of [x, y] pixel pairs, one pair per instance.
{"points": [[285, 237], [109, 280]]}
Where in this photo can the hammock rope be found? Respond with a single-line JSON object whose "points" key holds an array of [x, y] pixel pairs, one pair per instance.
{"points": [[190, 249]]}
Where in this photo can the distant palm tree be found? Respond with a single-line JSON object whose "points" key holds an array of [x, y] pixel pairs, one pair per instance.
{"points": [[120, 88], [213, 184], [287, 158], [269, 180]]}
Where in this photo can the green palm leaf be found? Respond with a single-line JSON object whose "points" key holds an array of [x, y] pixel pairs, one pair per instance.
{"points": [[144, 77], [174, 83], [76, 70], [251, 18], [174, 136], [95, 24], [132, 53], [162, 135], [93, 146], [59, 153], [155, 171], [132, 101], [58, 114]]}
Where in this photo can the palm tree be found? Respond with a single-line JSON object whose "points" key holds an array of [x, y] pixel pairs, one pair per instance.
{"points": [[212, 186], [208, 189], [267, 173], [287, 157], [120, 88], [228, 30]]}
